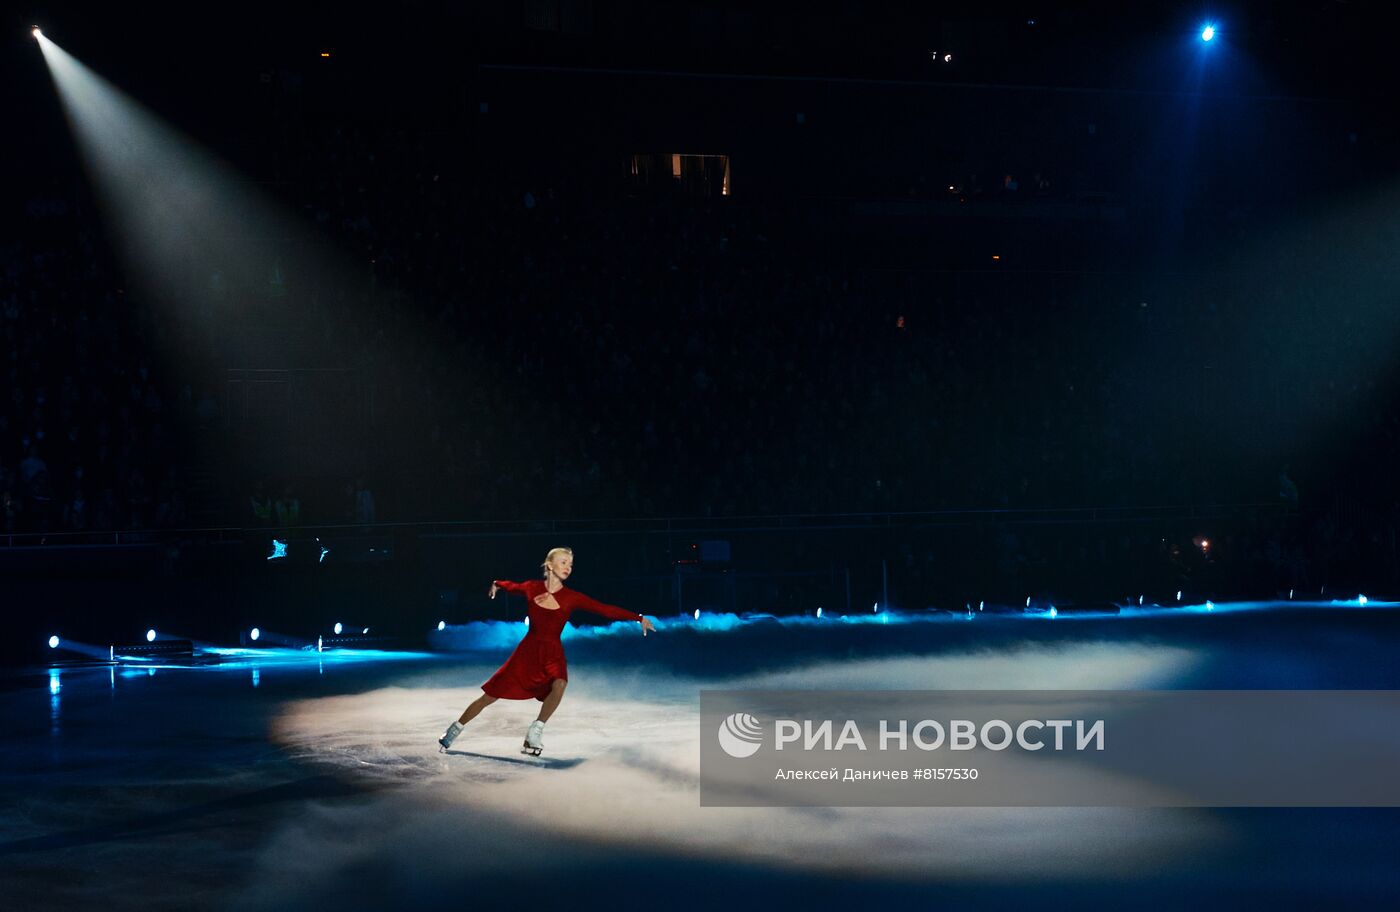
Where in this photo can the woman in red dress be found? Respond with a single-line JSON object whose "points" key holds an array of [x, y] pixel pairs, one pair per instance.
{"points": [[537, 668]]}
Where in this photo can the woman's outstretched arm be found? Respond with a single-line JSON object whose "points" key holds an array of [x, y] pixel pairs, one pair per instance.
{"points": [[611, 611], [507, 585]]}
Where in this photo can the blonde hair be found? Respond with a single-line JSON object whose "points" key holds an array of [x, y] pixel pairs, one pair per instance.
{"points": [[550, 556]]}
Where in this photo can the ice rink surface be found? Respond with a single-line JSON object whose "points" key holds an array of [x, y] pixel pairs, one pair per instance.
{"points": [[286, 781]]}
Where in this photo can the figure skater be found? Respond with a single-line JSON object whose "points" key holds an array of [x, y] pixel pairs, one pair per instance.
{"points": [[536, 668]]}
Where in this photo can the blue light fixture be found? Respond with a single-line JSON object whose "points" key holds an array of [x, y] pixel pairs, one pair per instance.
{"points": [[1208, 33], [338, 627], [151, 635], [53, 642], [442, 625], [254, 634]]}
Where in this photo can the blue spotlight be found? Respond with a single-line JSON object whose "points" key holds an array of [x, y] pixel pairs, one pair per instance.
{"points": [[442, 625], [1054, 612], [254, 634], [151, 635], [338, 628], [279, 550], [1208, 33], [53, 642], [819, 612], [697, 614]]}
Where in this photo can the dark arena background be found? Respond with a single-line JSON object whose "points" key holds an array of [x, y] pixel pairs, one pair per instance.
{"points": [[862, 346]]}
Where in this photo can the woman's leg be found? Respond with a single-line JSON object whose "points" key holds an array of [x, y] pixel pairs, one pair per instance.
{"points": [[551, 702], [477, 706]]}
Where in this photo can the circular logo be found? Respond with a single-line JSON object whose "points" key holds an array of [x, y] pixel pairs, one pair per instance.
{"points": [[740, 735]]}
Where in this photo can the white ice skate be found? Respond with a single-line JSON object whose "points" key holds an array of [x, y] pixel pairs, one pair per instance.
{"points": [[534, 742], [449, 736]]}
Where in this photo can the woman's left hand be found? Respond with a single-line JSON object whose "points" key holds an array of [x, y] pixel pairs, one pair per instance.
{"points": [[647, 625]]}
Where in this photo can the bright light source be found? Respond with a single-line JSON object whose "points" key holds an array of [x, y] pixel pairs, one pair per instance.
{"points": [[325, 53], [151, 635], [947, 58], [697, 614], [38, 34], [1178, 595], [366, 630], [1210, 606], [338, 627], [1053, 612], [819, 612], [1208, 33], [1361, 599], [254, 634], [442, 625], [53, 642]]}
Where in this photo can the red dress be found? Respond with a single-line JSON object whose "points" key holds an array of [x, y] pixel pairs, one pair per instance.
{"points": [[539, 658]]}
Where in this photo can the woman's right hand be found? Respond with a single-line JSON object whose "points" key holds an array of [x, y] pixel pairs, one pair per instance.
{"points": [[492, 591]]}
